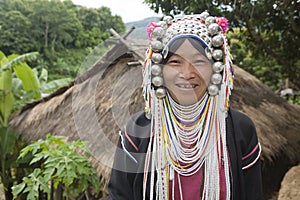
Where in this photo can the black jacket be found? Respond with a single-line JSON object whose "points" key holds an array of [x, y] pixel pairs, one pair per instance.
{"points": [[126, 180]]}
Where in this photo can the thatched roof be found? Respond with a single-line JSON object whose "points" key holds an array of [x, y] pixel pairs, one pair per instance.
{"points": [[97, 105]]}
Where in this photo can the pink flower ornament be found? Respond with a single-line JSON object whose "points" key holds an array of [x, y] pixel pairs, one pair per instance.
{"points": [[150, 28], [223, 22]]}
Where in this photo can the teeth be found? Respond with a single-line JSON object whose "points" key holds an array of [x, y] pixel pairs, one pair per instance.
{"points": [[186, 86]]}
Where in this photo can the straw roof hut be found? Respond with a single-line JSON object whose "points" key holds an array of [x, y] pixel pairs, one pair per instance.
{"points": [[96, 105]]}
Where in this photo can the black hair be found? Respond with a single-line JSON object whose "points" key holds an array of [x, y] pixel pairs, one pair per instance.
{"points": [[172, 48]]}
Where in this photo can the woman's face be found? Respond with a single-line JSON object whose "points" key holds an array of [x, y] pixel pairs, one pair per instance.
{"points": [[187, 74]]}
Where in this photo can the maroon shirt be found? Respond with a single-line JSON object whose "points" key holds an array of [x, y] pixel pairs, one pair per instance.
{"points": [[192, 186]]}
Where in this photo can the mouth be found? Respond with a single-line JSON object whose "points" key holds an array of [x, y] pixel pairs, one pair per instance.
{"points": [[186, 86]]}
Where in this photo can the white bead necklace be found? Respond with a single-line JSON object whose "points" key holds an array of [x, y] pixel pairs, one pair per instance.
{"points": [[187, 134]]}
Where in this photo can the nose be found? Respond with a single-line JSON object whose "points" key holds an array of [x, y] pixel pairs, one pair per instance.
{"points": [[187, 71]]}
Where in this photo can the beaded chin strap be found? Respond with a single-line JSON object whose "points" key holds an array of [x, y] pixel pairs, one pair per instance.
{"points": [[206, 119]]}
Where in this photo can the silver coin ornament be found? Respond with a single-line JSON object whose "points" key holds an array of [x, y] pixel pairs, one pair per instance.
{"points": [[216, 78], [156, 70], [217, 41], [213, 90], [160, 92], [156, 46], [157, 81], [217, 54], [156, 57], [218, 67]]}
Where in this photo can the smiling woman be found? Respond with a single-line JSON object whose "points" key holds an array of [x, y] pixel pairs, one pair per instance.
{"points": [[122, 8], [188, 144]]}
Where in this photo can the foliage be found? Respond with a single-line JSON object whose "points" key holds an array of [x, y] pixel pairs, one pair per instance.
{"points": [[19, 84], [63, 33], [60, 163], [269, 31]]}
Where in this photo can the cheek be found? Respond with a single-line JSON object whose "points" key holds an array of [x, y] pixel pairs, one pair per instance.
{"points": [[169, 73], [205, 74]]}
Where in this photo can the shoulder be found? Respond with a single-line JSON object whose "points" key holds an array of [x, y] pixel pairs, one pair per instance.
{"points": [[138, 125], [246, 137], [240, 119]]}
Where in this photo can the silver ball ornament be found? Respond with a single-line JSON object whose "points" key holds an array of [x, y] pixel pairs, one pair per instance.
{"points": [[217, 41], [209, 20], [158, 32], [160, 92], [162, 24], [204, 15], [155, 70], [216, 78], [214, 29], [218, 67], [156, 57], [156, 45], [213, 90], [217, 54], [168, 19], [157, 81]]}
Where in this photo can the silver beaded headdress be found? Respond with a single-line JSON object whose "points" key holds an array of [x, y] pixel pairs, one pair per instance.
{"points": [[209, 30]]}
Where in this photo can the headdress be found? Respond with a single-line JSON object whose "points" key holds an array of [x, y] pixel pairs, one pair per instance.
{"points": [[204, 121]]}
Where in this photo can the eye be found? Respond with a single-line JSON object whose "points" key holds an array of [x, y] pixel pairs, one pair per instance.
{"points": [[201, 62], [174, 61]]}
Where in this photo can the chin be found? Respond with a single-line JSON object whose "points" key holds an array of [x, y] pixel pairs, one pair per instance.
{"points": [[186, 101]]}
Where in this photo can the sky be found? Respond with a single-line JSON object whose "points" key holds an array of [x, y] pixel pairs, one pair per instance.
{"points": [[129, 10]]}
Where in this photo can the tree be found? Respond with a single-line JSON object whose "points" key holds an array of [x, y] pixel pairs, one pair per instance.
{"points": [[270, 30]]}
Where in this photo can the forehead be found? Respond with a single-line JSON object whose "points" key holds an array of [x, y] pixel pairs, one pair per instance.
{"points": [[187, 49]]}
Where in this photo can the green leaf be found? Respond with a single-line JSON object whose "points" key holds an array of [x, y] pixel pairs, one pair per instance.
{"points": [[6, 80], [25, 73], [17, 189], [7, 141], [54, 85], [6, 105], [19, 59], [3, 59], [44, 76], [36, 158]]}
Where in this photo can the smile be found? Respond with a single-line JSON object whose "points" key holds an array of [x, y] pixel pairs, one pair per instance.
{"points": [[186, 86]]}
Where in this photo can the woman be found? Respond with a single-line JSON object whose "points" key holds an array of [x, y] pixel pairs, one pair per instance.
{"points": [[188, 144]]}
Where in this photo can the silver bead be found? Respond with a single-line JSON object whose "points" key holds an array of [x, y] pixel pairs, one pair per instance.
{"points": [[157, 81], [218, 67], [168, 19], [162, 24], [209, 20], [160, 92], [216, 78], [155, 70], [156, 57], [213, 90], [156, 46], [214, 29], [204, 15], [217, 54], [217, 41], [158, 32]]}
